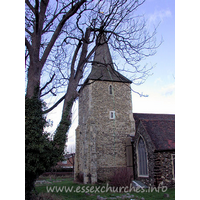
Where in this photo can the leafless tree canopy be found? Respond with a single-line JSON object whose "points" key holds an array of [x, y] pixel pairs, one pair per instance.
{"points": [[61, 37]]}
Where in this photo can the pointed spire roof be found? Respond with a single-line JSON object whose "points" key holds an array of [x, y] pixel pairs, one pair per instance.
{"points": [[102, 67]]}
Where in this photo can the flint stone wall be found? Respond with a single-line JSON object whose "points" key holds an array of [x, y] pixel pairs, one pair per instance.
{"points": [[160, 166], [101, 141]]}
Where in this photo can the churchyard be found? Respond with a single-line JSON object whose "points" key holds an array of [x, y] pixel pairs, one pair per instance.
{"points": [[53, 188]]}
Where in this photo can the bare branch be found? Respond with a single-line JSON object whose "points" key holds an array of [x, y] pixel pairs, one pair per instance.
{"points": [[71, 12], [62, 32], [50, 23], [47, 83], [28, 31], [50, 91], [36, 15], [28, 45], [74, 58], [30, 6], [83, 55], [55, 105]]}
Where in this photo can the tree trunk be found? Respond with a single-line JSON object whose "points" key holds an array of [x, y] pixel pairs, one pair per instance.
{"points": [[71, 94], [29, 187], [34, 73]]}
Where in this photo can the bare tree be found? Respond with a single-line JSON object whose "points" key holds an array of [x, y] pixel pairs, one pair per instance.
{"points": [[61, 38]]}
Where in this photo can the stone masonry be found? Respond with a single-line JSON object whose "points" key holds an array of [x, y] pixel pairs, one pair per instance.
{"points": [[100, 141], [105, 119], [160, 161], [107, 134]]}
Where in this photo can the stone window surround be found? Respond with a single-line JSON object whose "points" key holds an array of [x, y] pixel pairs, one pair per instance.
{"points": [[112, 114], [142, 176], [173, 167], [110, 89]]}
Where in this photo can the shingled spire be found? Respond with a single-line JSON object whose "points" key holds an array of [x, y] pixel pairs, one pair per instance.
{"points": [[102, 67]]}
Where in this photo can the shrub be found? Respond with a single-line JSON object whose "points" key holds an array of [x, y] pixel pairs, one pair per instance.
{"points": [[121, 178], [40, 152]]}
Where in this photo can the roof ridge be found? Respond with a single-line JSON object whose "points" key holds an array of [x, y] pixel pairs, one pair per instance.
{"points": [[153, 113], [157, 119]]}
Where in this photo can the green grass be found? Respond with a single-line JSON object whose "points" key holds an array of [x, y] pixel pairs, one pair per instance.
{"points": [[90, 192]]}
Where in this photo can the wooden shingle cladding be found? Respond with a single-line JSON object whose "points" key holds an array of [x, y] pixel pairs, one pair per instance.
{"points": [[103, 66]]}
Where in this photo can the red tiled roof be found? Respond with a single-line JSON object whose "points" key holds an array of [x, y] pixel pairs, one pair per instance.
{"points": [[160, 127], [138, 116]]}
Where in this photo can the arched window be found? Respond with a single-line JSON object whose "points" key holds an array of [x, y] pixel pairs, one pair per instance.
{"points": [[110, 89], [142, 158]]}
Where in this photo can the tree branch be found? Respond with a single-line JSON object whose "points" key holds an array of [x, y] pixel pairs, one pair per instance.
{"points": [[43, 8], [71, 12], [55, 105], [74, 58], [47, 83], [36, 16], [54, 17], [28, 32], [28, 45], [30, 6], [48, 92], [83, 55]]}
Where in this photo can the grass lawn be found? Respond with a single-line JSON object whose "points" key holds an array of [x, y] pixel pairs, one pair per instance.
{"points": [[66, 188]]}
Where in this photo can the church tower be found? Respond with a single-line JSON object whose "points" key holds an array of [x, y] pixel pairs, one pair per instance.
{"points": [[105, 119]]}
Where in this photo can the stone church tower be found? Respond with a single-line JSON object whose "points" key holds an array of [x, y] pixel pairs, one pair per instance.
{"points": [[105, 120]]}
